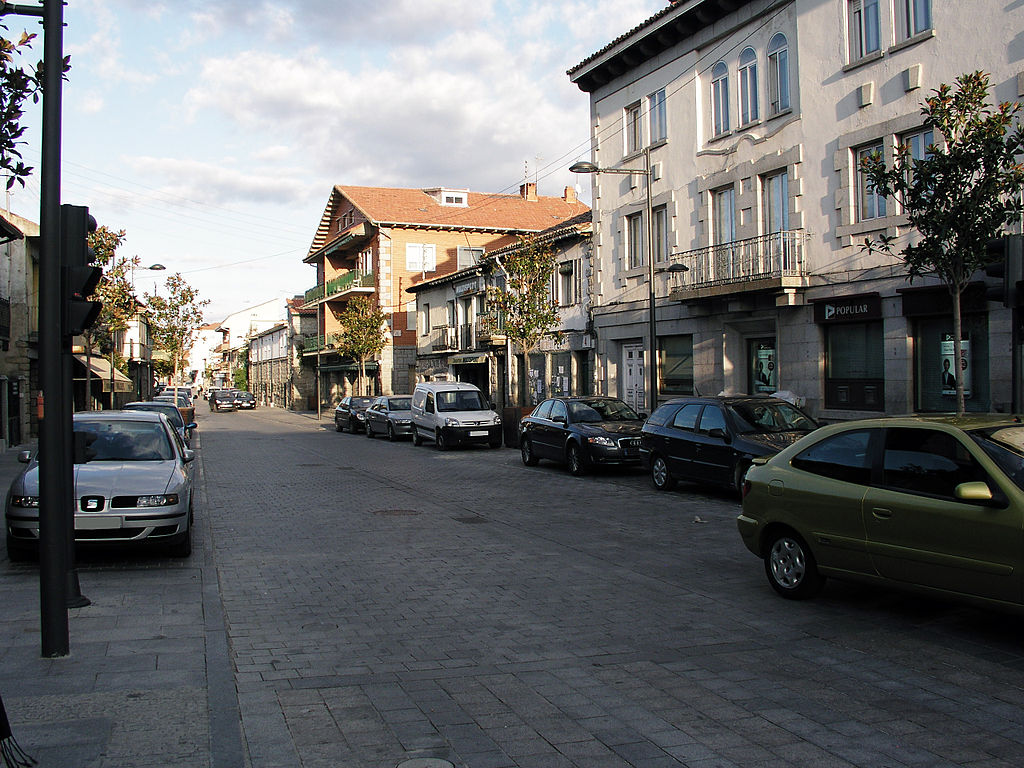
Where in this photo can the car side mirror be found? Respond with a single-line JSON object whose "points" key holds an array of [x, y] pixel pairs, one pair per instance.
{"points": [[191, 426], [973, 491], [642, 416], [559, 419], [25, 457], [718, 432], [188, 456]]}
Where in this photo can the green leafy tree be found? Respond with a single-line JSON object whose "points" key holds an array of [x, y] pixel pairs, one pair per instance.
{"points": [[362, 333], [958, 196], [115, 289], [240, 375], [524, 303], [16, 85], [174, 319]]}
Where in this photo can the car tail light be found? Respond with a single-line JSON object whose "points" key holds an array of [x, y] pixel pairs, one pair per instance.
{"points": [[746, 487]]}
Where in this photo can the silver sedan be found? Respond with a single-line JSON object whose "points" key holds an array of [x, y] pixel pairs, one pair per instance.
{"points": [[390, 415]]}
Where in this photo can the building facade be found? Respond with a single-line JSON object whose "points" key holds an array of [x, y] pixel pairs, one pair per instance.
{"points": [[753, 121], [277, 376], [19, 329]]}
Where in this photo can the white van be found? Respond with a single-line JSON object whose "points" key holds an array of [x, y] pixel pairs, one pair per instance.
{"points": [[453, 412]]}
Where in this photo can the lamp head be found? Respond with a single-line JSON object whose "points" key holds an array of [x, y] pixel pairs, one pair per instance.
{"points": [[583, 167]]}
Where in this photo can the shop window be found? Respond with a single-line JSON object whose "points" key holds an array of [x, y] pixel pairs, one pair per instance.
{"points": [[675, 365], [561, 374], [934, 386], [854, 366]]}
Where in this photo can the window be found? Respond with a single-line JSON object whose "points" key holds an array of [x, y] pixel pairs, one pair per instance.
{"points": [[918, 146], [675, 365], [855, 366], [660, 233], [687, 417], [748, 87], [720, 98], [543, 411], [863, 28], [778, 74], [913, 17], [870, 204], [723, 216], [566, 284], [928, 462], [658, 116], [420, 257], [424, 320], [453, 198], [712, 418], [845, 457], [633, 127], [559, 412], [775, 202], [635, 240], [467, 256]]}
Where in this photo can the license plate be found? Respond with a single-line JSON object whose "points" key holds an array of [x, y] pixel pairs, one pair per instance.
{"points": [[478, 433], [96, 522]]}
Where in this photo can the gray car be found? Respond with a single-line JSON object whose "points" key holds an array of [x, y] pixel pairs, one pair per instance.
{"points": [[390, 415], [133, 486], [171, 411]]}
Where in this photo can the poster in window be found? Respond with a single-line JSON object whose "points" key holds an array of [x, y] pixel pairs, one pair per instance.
{"points": [[950, 369], [764, 367]]}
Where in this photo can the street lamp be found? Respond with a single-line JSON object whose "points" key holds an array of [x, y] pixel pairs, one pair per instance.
{"points": [[652, 366]]}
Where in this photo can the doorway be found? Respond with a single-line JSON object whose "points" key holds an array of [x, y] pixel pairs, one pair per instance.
{"points": [[633, 376]]}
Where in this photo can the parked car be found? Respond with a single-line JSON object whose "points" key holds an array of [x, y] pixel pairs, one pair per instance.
{"points": [[714, 439], [244, 400], [134, 488], [170, 410], [930, 503], [581, 432], [451, 413], [181, 397], [221, 400], [350, 413], [390, 415]]}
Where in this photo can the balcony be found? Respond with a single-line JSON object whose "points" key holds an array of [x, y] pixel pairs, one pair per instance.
{"points": [[770, 262], [313, 344], [490, 328], [354, 281], [444, 338]]}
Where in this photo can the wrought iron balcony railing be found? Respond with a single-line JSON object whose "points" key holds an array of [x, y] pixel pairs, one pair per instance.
{"points": [[778, 256]]}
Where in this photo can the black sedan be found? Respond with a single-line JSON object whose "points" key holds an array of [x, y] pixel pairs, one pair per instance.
{"points": [[714, 439], [350, 413], [244, 400], [222, 400], [581, 432]]}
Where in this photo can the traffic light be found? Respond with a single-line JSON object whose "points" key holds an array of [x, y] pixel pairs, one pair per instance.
{"points": [[79, 277]]}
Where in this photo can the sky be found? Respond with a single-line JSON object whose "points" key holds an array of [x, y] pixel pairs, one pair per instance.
{"points": [[213, 132]]}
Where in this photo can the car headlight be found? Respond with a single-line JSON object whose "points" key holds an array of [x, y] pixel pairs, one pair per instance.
{"points": [[450, 422], [360, 416], [157, 500], [28, 502], [497, 419], [607, 442]]}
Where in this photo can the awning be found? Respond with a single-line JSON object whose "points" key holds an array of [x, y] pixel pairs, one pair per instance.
{"points": [[467, 359], [100, 368]]}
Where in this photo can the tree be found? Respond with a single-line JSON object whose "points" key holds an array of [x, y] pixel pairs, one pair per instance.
{"points": [[960, 194], [115, 288], [16, 85], [524, 302], [174, 320], [362, 333], [240, 376]]}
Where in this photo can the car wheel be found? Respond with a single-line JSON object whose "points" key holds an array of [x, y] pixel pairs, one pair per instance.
{"points": [[576, 460], [739, 474], [790, 566], [660, 476], [182, 548], [18, 553], [440, 441], [417, 440], [352, 426], [369, 432], [526, 449], [337, 426], [391, 433]]}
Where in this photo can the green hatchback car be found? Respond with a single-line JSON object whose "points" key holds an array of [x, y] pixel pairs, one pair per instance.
{"points": [[929, 503]]}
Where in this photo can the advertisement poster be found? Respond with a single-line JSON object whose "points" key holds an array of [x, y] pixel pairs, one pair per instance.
{"points": [[764, 368], [950, 369]]}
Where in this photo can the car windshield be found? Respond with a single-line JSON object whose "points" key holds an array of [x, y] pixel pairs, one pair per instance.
{"points": [[399, 403], [1005, 446], [361, 402], [126, 440], [460, 400], [771, 417], [601, 410], [170, 411]]}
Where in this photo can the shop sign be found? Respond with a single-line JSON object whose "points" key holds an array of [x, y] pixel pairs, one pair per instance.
{"points": [[950, 369], [858, 308]]}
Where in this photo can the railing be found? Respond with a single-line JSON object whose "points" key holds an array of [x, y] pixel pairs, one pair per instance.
{"points": [[490, 326], [337, 286], [313, 343], [776, 255], [466, 336], [443, 337]]}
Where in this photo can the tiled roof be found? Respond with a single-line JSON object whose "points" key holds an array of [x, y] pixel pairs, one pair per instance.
{"points": [[672, 4], [416, 208]]}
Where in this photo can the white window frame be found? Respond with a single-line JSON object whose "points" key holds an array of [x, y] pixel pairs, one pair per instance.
{"points": [[870, 204], [454, 198], [913, 17], [657, 116], [660, 233], [424, 319], [467, 256], [567, 283], [723, 215], [632, 128], [863, 28], [749, 107], [420, 257], [720, 98], [635, 240], [775, 202], [779, 96]]}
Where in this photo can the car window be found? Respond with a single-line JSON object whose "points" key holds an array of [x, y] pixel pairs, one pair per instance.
{"points": [[543, 411], [127, 441], [399, 403], [687, 417], [771, 417], [1005, 446], [928, 462], [583, 413], [558, 409], [712, 418], [663, 415], [429, 407], [460, 400], [841, 457], [361, 402], [607, 409]]}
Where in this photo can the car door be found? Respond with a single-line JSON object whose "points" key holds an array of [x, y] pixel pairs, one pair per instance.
{"points": [[680, 449], [712, 451], [556, 430], [919, 531], [534, 430], [376, 416]]}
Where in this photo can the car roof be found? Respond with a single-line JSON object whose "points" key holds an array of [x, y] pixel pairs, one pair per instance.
{"points": [[966, 422], [443, 386], [119, 416], [727, 399]]}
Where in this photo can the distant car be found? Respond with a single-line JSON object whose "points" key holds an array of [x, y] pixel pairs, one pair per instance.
{"points": [[390, 415], [221, 400], [181, 397], [714, 439], [581, 432], [929, 503], [135, 488], [244, 400], [350, 413], [171, 411]]}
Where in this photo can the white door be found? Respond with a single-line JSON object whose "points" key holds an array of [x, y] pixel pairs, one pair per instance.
{"points": [[633, 378]]}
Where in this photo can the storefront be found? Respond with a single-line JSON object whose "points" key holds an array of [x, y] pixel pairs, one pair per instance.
{"points": [[852, 330]]}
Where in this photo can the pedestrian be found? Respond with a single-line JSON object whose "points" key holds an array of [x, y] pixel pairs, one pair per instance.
{"points": [[12, 755]]}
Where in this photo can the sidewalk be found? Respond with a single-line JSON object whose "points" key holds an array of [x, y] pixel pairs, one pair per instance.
{"points": [[148, 680]]}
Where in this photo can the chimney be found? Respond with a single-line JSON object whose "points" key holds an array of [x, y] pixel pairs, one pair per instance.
{"points": [[570, 195], [528, 191]]}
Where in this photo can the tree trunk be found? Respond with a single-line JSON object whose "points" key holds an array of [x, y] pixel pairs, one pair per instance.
{"points": [[958, 351], [362, 376]]}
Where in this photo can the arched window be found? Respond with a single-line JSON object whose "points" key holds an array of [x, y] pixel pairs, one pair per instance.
{"points": [[748, 86], [720, 97], [778, 74]]}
